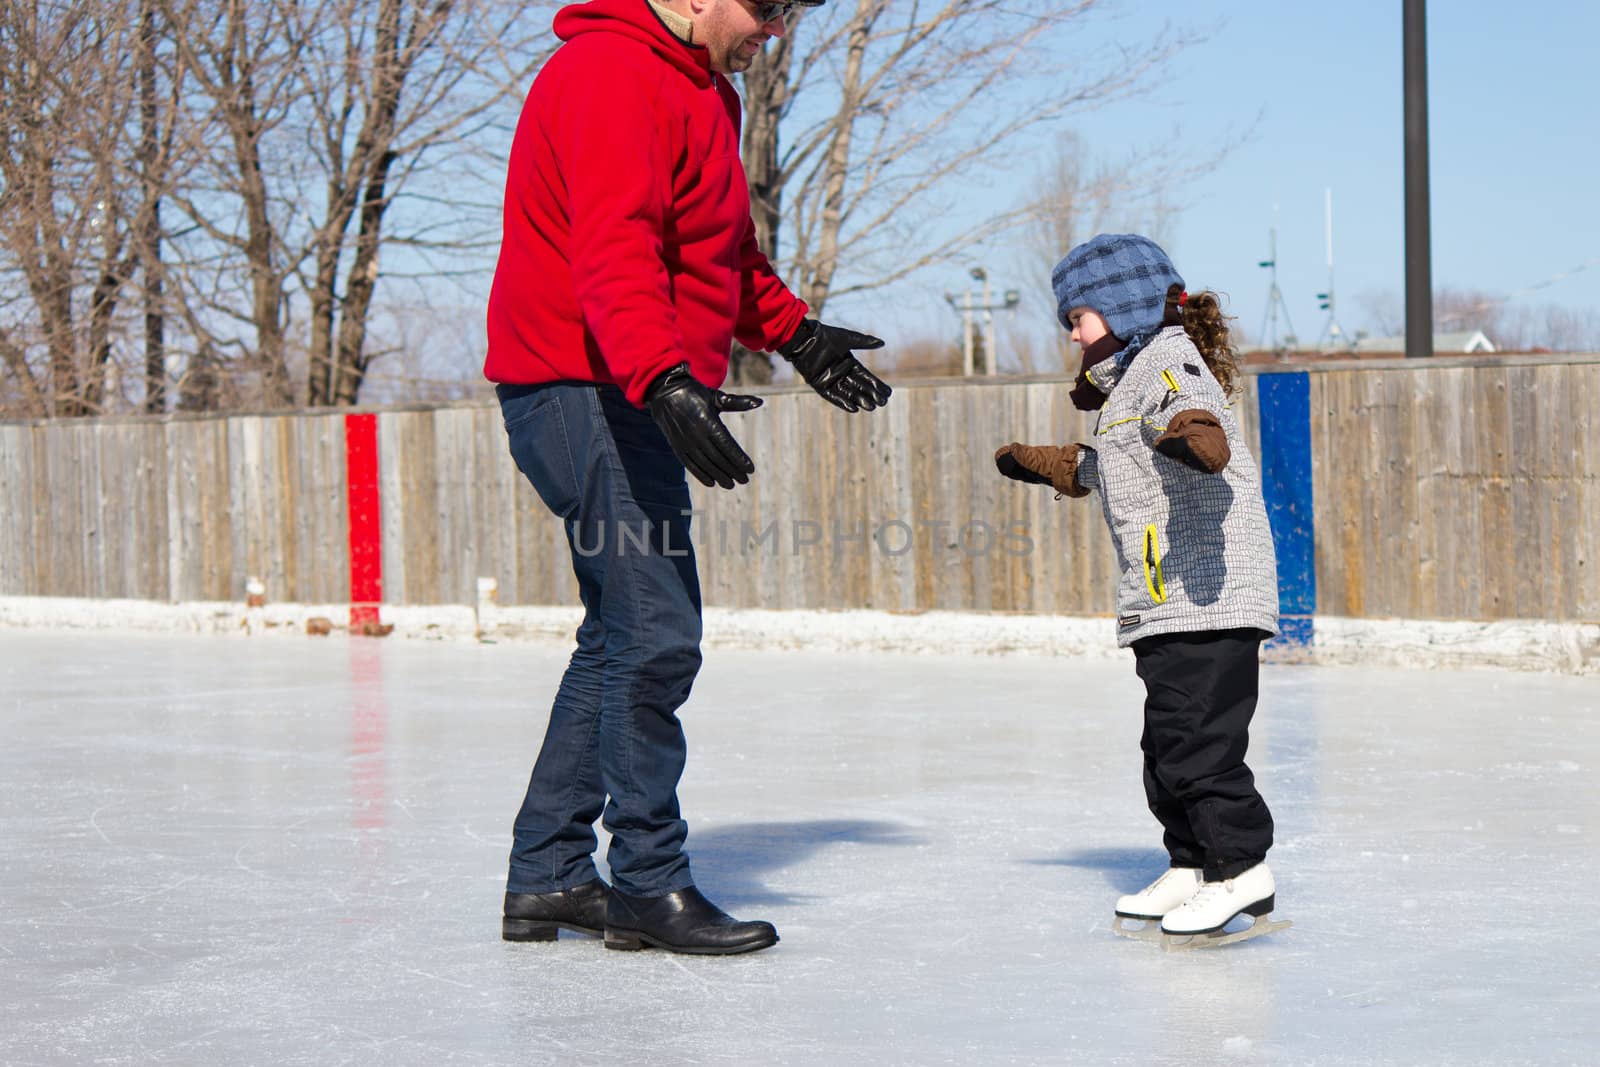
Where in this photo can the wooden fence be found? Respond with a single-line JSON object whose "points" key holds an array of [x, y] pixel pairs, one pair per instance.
{"points": [[1454, 489]]}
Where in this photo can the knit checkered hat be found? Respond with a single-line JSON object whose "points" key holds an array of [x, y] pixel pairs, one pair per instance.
{"points": [[1122, 276]]}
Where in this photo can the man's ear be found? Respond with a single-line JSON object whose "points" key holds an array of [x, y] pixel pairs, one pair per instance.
{"points": [[698, 7]]}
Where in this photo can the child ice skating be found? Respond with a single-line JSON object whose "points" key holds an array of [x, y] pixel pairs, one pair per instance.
{"points": [[1198, 592]]}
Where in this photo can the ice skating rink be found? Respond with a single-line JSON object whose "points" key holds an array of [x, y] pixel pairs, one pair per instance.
{"points": [[292, 851]]}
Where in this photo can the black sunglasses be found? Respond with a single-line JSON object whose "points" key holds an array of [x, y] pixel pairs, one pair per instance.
{"points": [[769, 11]]}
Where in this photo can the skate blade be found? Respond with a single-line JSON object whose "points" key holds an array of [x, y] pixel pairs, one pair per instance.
{"points": [[1189, 942], [1148, 930]]}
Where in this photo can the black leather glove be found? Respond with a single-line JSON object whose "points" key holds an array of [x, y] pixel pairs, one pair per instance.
{"points": [[690, 415], [821, 353]]}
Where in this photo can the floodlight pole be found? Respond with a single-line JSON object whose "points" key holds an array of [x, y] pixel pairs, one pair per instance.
{"points": [[967, 305], [966, 335]]}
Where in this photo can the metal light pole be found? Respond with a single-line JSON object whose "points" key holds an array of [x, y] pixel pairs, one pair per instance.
{"points": [[988, 320], [1419, 241], [968, 334]]}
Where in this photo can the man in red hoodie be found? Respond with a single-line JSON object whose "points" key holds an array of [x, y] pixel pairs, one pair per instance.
{"points": [[627, 268]]}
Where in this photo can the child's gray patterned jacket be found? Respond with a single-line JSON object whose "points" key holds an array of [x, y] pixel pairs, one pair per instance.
{"points": [[1195, 548]]}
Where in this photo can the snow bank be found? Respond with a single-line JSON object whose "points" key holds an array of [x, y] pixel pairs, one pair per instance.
{"points": [[1425, 644]]}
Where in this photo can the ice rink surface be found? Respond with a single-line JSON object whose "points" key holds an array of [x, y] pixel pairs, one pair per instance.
{"points": [[292, 851]]}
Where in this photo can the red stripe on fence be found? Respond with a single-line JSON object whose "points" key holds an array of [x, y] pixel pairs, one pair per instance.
{"points": [[366, 533]]}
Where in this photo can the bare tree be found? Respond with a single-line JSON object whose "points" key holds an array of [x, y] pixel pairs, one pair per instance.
{"points": [[1511, 326], [64, 215], [1549, 327], [1456, 309], [1385, 311], [317, 120], [153, 157], [244, 160], [241, 59], [889, 109], [424, 350], [1514, 326], [1572, 329], [926, 357], [1079, 197], [766, 96], [438, 72], [1082, 193]]}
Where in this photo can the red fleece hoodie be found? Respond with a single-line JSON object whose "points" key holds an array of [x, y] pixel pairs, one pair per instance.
{"points": [[628, 245]]}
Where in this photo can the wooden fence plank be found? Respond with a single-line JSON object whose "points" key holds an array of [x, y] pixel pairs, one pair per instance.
{"points": [[1521, 471], [1579, 429], [1437, 424], [1399, 429], [1466, 477], [892, 499], [19, 572], [1323, 465], [1493, 440], [1338, 526]]}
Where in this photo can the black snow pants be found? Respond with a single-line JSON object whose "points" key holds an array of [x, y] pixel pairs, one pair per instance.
{"points": [[1201, 694]]}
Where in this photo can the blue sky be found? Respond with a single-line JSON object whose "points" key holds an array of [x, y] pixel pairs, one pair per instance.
{"points": [[1515, 144]]}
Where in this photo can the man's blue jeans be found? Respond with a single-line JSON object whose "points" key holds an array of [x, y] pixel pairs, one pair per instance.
{"points": [[605, 468]]}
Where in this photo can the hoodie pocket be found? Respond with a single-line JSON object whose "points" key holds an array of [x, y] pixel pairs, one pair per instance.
{"points": [[1152, 566]]}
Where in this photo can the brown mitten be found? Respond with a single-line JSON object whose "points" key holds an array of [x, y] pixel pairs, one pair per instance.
{"points": [[1196, 439], [1052, 465]]}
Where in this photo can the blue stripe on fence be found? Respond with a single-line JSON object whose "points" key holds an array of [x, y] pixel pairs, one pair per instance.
{"points": [[1285, 420]]}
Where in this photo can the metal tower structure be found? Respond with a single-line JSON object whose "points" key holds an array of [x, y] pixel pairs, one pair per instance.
{"points": [[1275, 302], [1333, 335]]}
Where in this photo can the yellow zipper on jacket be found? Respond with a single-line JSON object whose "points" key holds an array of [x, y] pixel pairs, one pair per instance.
{"points": [[1101, 432], [1172, 392], [1152, 566]]}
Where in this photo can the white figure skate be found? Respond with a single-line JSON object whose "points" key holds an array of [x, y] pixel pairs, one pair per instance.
{"points": [[1144, 909], [1201, 920]]}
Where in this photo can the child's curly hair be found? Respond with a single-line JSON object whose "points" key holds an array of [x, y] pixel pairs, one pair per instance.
{"points": [[1202, 319]]}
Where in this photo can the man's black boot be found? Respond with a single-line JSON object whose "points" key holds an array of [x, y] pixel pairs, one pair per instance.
{"points": [[535, 916], [684, 921]]}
